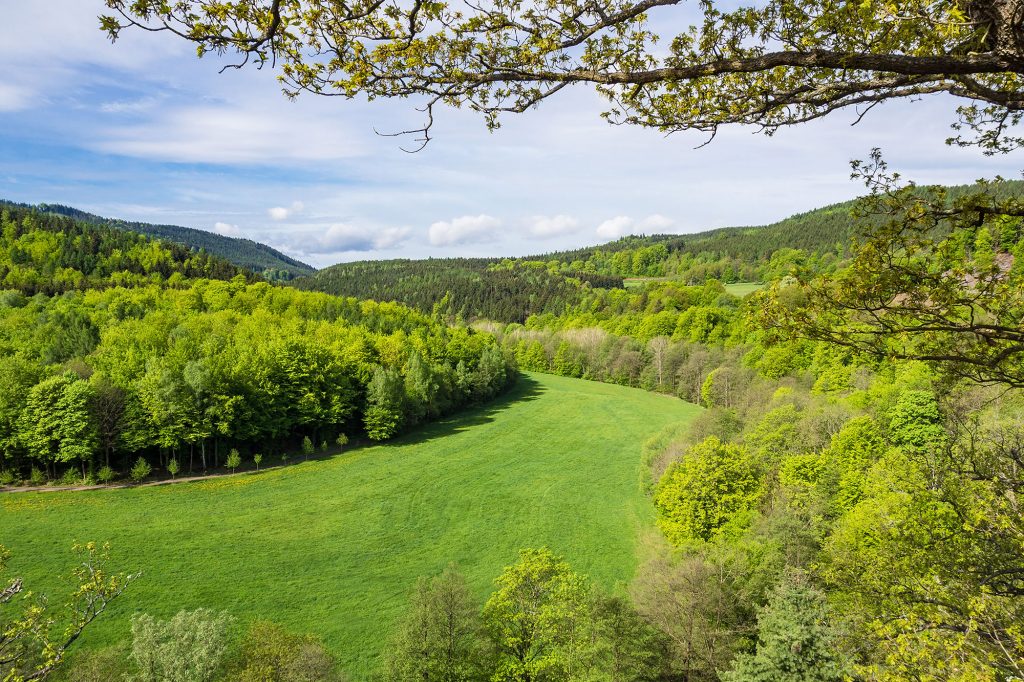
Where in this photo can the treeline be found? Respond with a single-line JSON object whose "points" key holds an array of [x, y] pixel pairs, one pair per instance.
{"points": [[244, 253], [458, 288], [49, 254], [818, 239], [101, 377]]}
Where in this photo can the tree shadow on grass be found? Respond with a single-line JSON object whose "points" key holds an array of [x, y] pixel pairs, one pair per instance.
{"points": [[526, 388]]}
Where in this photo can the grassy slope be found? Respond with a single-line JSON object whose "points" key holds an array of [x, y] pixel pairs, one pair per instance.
{"points": [[333, 546]]}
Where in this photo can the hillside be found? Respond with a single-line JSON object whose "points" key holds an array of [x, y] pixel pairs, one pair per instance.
{"points": [[512, 289], [334, 546], [476, 287], [244, 253], [47, 253]]}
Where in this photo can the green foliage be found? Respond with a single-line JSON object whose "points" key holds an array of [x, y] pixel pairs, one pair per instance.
{"points": [[385, 404], [187, 648], [140, 470], [269, 653], [795, 641], [307, 446], [173, 467], [257, 459], [234, 460], [711, 491], [438, 639], [105, 474], [342, 440], [538, 619]]}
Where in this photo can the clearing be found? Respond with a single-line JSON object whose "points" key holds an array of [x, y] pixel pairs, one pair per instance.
{"points": [[333, 546]]}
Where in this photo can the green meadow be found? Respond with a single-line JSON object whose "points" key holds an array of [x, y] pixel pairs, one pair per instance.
{"points": [[333, 546]]}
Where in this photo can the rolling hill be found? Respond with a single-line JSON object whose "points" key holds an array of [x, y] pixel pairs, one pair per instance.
{"points": [[243, 253], [334, 546]]}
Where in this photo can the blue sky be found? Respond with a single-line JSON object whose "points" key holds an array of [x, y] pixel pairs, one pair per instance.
{"points": [[143, 130]]}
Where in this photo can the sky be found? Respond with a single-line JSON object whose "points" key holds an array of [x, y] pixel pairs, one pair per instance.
{"points": [[143, 130]]}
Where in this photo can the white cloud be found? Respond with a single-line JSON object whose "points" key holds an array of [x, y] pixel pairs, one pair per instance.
{"points": [[654, 224], [348, 237], [546, 227], [616, 227], [285, 212], [467, 229], [229, 134], [622, 225], [227, 229]]}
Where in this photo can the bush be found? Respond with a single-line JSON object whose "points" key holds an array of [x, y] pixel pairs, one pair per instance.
{"points": [[173, 467], [70, 477], [6, 477], [257, 458], [342, 441], [323, 446], [141, 470], [269, 653], [307, 446], [105, 475], [36, 477], [187, 648]]}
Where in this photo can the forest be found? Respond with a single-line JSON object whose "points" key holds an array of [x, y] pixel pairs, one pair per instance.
{"points": [[118, 349], [462, 288], [244, 253]]}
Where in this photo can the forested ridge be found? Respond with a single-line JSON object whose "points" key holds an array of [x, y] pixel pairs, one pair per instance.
{"points": [[244, 253], [458, 287]]}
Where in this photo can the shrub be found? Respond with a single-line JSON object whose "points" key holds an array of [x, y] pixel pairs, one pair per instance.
{"points": [[187, 648], [307, 446], [257, 458], [70, 477], [173, 467], [36, 477], [6, 477], [269, 653], [141, 470], [323, 446], [234, 460], [342, 441], [105, 475]]}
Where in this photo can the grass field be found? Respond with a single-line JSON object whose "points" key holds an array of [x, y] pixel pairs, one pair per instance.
{"points": [[740, 289], [333, 546]]}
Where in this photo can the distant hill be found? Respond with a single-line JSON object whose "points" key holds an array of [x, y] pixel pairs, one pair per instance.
{"points": [[244, 253], [475, 287], [51, 254], [512, 289]]}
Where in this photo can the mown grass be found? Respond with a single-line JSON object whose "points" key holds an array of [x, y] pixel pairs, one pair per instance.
{"points": [[333, 546]]}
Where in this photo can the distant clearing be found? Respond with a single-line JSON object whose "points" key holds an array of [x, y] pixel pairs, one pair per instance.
{"points": [[740, 289], [333, 546]]}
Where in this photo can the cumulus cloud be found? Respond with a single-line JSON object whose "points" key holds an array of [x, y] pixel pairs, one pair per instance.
{"points": [[616, 227], [546, 227], [348, 237], [227, 229], [620, 226], [467, 229], [285, 212]]}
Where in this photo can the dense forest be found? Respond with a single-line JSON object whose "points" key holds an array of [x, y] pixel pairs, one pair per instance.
{"points": [[244, 253], [463, 288], [110, 351]]}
